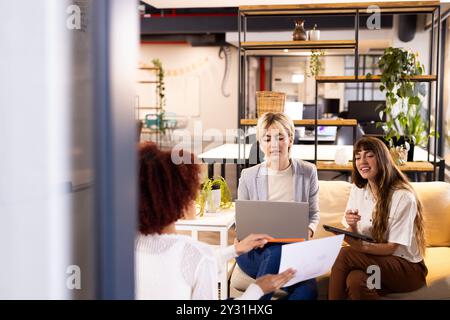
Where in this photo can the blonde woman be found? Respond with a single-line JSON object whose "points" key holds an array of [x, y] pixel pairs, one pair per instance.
{"points": [[279, 178], [383, 205]]}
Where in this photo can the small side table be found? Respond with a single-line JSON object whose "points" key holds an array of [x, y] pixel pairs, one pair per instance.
{"points": [[217, 222]]}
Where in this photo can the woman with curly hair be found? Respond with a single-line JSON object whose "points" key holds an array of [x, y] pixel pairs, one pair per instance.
{"points": [[173, 266]]}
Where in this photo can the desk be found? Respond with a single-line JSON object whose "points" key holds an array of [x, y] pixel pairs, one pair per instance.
{"points": [[418, 166], [320, 138], [218, 222], [229, 153]]}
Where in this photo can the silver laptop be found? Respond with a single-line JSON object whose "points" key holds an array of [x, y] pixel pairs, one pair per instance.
{"points": [[275, 218]]}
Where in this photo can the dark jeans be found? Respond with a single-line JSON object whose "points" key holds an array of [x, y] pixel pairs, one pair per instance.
{"points": [[259, 262]]}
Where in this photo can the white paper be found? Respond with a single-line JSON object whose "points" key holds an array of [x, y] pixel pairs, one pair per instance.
{"points": [[310, 259]]}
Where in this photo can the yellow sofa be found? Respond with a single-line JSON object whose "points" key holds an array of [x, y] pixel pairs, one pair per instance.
{"points": [[435, 197]]}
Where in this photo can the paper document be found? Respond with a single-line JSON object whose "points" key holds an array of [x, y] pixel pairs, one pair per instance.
{"points": [[311, 258]]}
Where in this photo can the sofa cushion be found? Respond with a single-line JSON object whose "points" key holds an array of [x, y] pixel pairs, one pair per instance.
{"points": [[333, 196], [437, 261], [435, 198]]}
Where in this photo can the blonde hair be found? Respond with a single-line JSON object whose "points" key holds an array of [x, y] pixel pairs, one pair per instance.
{"points": [[278, 119]]}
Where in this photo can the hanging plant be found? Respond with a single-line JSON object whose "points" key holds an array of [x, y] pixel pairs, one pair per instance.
{"points": [[160, 89], [315, 63]]}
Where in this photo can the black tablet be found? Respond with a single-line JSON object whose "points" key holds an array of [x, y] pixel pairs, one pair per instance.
{"points": [[348, 233]]}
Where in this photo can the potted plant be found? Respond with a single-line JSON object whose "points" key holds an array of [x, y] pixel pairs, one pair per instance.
{"points": [[314, 34], [208, 200], [404, 124]]}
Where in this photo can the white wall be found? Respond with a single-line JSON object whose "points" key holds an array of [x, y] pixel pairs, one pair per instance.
{"points": [[35, 234], [193, 77]]}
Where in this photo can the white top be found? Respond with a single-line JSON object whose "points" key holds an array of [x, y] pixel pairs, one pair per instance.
{"points": [[400, 228], [280, 184], [176, 267]]}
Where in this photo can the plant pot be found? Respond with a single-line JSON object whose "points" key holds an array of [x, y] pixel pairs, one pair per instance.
{"points": [[314, 35], [213, 203], [401, 142]]}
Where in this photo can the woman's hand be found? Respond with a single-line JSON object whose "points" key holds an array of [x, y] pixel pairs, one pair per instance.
{"points": [[271, 282], [352, 217], [250, 242], [356, 244]]}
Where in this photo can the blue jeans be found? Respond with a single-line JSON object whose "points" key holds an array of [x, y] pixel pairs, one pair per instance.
{"points": [[259, 262]]}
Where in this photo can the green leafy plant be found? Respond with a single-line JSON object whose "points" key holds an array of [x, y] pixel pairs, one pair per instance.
{"points": [[205, 194], [403, 96], [315, 63], [161, 92]]}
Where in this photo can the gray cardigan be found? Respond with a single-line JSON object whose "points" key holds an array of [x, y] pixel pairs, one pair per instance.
{"points": [[253, 186]]}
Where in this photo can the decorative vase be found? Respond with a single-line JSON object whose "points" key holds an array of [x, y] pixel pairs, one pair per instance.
{"points": [[341, 157], [299, 31], [399, 155]]}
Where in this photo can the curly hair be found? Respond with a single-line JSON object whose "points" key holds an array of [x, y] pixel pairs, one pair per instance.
{"points": [[165, 189]]}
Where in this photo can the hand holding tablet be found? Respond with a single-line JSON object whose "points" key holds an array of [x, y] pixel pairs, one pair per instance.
{"points": [[348, 233]]}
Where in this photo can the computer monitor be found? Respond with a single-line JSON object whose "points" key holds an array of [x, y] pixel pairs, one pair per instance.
{"points": [[309, 111], [366, 111], [331, 106]]}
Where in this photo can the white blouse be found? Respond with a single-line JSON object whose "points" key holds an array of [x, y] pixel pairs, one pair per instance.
{"points": [[400, 228], [176, 267]]}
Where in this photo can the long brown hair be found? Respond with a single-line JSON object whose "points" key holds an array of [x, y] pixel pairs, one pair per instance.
{"points": [[389, 179]]}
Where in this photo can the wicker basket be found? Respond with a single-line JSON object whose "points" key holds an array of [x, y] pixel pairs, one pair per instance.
{"points": [[269, 101]]}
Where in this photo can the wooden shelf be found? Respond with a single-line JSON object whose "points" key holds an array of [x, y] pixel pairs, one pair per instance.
{"points": [[148, 108], [296, 12], [311, 122], [323, 44], [148, 81], [149, 68], [386, 7], [416, 166], [374, 78]]}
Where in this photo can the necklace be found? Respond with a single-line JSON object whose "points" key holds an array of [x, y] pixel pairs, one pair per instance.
{"points": [[373, 193]]}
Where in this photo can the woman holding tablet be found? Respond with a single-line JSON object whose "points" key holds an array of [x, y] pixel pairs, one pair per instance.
{"points": [[279, 178], [383, 205]]}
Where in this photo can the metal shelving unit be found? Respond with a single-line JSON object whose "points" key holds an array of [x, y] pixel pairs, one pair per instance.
{"points": [[349, 9], [157, 109]]}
